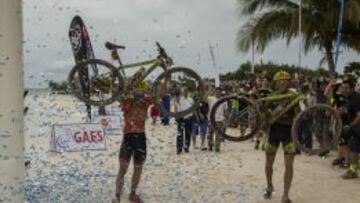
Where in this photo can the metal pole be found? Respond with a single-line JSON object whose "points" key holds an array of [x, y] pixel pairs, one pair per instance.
{"points": [[300, 29], [212, 54], [338, 39], [12, 167]]}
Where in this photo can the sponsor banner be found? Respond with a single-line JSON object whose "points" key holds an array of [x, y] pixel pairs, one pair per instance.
{"points": [[77, 137], [82, 50]]}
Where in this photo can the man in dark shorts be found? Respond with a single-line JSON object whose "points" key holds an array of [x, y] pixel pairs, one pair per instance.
{"points": [[280, 132], [352, 127], [135, 106]]}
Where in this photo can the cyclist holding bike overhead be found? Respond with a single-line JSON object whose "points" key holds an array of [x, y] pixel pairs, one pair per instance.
{"points": [[280, 132], [135, 106]]}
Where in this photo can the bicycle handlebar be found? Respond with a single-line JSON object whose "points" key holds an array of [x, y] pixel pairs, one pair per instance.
{"points": [[163, 54], [161, 50]]}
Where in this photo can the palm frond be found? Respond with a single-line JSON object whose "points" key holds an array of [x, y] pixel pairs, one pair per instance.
{"points": [[278, 19], [249, 7], [264, 28]]}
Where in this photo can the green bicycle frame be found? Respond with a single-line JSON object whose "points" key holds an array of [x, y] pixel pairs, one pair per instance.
{"points": [[154, 64], [295, 99]]}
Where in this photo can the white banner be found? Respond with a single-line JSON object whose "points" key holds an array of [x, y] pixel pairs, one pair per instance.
{"points": [[77, 137]]}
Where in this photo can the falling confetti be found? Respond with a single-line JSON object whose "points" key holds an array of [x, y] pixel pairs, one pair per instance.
{"points": [[90, 175]]}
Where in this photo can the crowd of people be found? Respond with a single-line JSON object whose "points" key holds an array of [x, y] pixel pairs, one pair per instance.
{"points": [[342, 93]]}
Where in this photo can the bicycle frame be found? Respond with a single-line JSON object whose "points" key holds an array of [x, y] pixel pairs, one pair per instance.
{"points": [[295, 99], [154, 63]]}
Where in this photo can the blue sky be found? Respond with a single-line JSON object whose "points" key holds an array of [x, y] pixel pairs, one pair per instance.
{"points": [[185, 28]]}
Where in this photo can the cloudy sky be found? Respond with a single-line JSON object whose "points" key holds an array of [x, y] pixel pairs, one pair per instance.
{"points": [[184, 27]]}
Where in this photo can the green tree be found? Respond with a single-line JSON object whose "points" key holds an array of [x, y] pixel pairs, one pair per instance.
{"points": [[52, 85], [353, 68], [278, 19], [244, 71]]}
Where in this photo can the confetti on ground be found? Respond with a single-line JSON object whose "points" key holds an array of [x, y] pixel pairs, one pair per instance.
{"points": [[234, 175], [90, 176]]}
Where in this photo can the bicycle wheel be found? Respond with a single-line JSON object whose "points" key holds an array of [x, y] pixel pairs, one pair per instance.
{"points": [[319, 122], [105, 83], [241, 123], [181, 84]]}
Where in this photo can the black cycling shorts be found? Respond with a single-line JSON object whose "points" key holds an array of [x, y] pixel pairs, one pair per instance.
{"points": [[280, 134], [133, 144]]}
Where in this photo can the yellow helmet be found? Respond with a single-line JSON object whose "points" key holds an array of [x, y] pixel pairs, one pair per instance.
{"points": [[282, 75], [142, 85]]}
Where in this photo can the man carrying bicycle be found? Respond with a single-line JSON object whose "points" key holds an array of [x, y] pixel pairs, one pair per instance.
{"points": [[280, 132], [135, 106]]}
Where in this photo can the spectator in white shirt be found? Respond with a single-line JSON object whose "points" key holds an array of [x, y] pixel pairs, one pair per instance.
{"points": [[183, 102]]}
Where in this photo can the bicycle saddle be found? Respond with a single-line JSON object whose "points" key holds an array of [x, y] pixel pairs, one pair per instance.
{"points": [[112, 46]]}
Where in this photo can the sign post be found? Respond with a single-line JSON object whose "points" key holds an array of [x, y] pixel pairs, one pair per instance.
{"points": [[12, 168]]}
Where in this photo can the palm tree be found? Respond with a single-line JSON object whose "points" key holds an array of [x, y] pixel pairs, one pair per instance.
{"points": [[273, 19]]}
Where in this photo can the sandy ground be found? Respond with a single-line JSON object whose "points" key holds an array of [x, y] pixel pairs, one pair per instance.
{"points": [[234, 175]]}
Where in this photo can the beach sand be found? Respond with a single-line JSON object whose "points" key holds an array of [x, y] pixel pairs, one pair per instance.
{"points": [[234, 175]]}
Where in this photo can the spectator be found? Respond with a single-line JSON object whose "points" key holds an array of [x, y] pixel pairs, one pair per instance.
{"points": [[220, 115], [165, 102], [321, 121], [183, 102], [352, 127], [201, 124], [264, 91], [154, 113], [338, 100]]}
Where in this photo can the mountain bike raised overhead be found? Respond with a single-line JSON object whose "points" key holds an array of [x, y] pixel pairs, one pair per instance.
{"points": [[109, 83], [255, 115]]}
